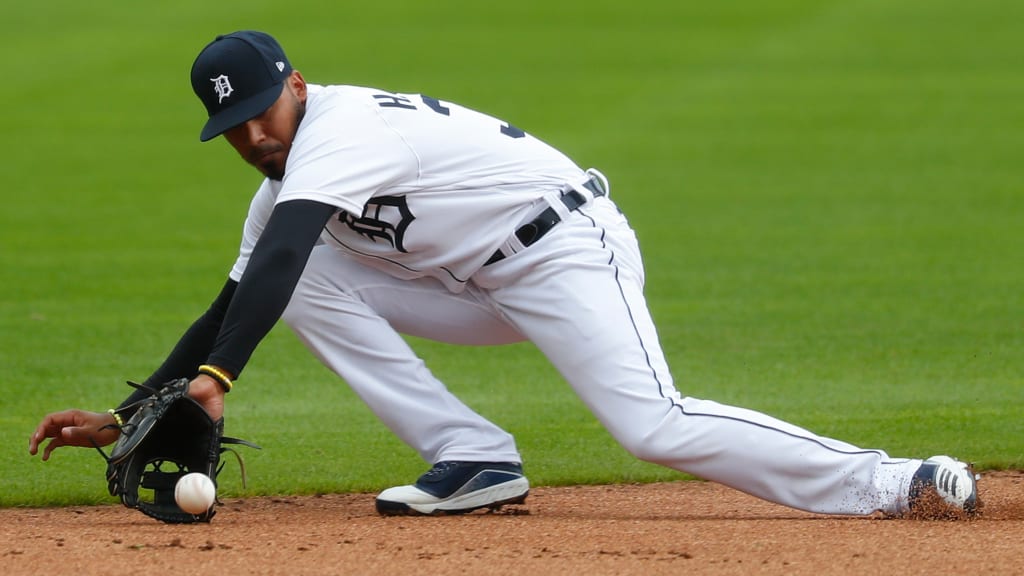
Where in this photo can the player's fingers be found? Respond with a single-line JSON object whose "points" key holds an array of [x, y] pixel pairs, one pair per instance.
{"points": [[68, 436], [51, 446], [33, 442], [49, 427]]}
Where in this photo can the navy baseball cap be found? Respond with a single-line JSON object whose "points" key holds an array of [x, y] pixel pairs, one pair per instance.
{"points": [[238, 76]]}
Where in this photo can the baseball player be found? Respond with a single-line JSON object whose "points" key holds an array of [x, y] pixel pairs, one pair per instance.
{"points": [[384, 214]]}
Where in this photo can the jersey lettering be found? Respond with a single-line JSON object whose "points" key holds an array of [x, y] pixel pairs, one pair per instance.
{"points": [[436, 106], [385, 218], [398, 101], [511, 131], [394, 101]]}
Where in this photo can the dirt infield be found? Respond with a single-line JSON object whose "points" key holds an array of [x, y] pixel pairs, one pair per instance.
{"points": [[671, 528]]}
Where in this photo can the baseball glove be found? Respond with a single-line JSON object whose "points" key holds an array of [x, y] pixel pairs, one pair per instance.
{"points": [[169, 435]]}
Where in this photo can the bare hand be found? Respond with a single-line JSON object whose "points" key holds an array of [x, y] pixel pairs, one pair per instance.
{"points": [[73, 428], [209, 394]]}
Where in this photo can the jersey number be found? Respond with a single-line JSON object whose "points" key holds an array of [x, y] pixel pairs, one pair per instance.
{"points": [[396, 101]]}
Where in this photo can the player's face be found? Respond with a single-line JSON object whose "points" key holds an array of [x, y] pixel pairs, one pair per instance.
{"points": [[266, 140]]}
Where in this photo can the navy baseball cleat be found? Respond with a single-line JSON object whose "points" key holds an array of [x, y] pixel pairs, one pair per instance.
{"points": [[944, 487], [453, 487]]}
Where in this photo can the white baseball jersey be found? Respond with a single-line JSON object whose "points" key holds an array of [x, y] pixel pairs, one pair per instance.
{"points": [[409, 202]]}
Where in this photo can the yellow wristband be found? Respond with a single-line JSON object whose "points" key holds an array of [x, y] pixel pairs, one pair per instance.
{"points": [[217, 375], [117, 417]]}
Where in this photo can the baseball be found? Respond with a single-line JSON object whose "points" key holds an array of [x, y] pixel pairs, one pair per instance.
{"points": [[195, 493]]}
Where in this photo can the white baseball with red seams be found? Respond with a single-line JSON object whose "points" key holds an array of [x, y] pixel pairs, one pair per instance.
{"points": [[195, 493]]}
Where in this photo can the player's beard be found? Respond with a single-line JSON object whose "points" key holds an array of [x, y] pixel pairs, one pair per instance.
{"points": [[274, 168]]}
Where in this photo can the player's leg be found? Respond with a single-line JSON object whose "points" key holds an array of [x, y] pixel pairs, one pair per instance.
{"points": [[578, 296], [348, 315]]}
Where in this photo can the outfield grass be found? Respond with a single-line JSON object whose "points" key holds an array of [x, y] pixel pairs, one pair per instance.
{"points": [[829, 195]]}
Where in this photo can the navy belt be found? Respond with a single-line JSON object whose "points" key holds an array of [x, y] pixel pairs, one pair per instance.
{"points": [[535, 229]]}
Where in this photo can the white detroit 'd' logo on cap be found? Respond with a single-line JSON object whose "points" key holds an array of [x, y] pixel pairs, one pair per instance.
{"points": [[222, 86]]}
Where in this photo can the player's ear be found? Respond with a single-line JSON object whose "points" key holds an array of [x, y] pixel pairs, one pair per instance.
{"points": [[297, 84]]}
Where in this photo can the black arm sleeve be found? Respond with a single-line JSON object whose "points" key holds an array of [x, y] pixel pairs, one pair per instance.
{"points": [[277, 262], [192, 349]]}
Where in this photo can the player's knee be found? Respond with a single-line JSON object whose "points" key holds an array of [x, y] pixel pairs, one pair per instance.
{"points": [[647, 452], [642, 446]]}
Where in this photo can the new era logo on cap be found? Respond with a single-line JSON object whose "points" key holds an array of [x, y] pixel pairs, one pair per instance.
{"points": [[237, 77]]}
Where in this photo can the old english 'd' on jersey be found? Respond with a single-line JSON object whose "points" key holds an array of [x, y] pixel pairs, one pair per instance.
{"points": [[423, 187]]}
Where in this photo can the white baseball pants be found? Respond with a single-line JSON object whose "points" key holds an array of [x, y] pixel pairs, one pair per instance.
{"points": [[577, 294]]}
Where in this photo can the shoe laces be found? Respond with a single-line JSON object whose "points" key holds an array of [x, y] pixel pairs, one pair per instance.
{"points": [[440, 470]]}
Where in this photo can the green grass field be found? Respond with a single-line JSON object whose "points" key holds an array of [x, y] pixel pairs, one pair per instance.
{"points": [[830, 195]]}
